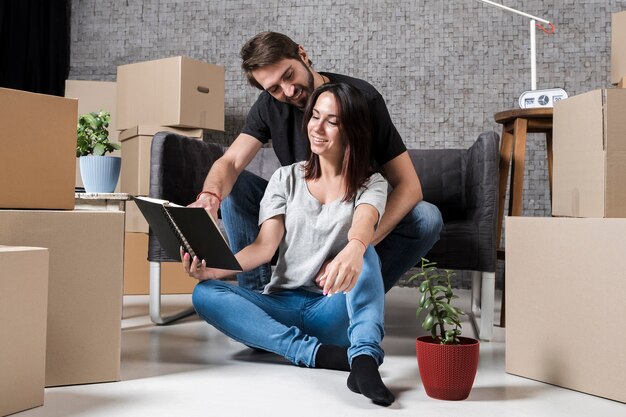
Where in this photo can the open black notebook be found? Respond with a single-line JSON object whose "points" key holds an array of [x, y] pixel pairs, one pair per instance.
{"points": [[189, 227]]}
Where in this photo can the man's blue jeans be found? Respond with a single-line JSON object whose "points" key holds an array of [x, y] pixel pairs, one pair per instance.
{"points": [[293, 323], [400, 250]]}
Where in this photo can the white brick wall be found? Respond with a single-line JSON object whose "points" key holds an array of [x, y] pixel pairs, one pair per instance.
{"points": [[444, 67]]}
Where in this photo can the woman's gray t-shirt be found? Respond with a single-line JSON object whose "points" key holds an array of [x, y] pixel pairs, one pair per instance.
{"points": [[314, 232]]}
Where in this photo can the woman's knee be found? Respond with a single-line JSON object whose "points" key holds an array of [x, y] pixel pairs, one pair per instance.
{"points": [[207, 294]]}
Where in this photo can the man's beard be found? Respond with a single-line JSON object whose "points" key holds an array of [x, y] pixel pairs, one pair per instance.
{"points": [[304, 92]]}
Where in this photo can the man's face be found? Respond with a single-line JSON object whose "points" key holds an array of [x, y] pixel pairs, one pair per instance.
{"points": [[288, 80]]}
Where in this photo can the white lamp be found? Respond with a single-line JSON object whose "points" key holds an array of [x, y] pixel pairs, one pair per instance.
{"points": [[534, 98]]}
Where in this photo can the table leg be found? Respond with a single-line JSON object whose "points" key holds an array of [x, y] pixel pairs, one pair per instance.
{"points": [[506, 148], [517, 169]]}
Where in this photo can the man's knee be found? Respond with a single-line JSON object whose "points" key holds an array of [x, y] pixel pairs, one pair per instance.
{"points": [[246, 192], [425, 221]]}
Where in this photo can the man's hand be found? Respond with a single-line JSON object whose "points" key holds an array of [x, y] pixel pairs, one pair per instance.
{"points": [[209, 202]]}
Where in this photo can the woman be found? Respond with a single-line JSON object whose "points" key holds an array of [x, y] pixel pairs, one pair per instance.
{"points": [[314, 312]]}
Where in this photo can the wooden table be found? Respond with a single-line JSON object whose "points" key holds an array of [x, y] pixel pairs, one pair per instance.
{"points": [[515, 125]]}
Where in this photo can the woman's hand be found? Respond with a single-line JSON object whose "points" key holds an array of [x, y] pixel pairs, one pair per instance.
{"points": [[342, 273], [197, 269]]}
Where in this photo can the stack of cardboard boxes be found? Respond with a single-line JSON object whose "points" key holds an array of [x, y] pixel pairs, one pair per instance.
{"points": [[61, 306], [63, 269], [176, 94], [566, 275]]}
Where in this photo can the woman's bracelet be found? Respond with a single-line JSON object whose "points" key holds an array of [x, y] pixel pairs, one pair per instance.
{"points": [[360, 241], [210, 193]]}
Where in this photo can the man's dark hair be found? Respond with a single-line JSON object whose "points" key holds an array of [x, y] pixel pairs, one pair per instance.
{"points": [[353, 121], [266, 48]]}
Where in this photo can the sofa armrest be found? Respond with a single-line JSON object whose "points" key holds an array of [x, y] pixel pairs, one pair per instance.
{"points": [[482, 177], [481, 174]]}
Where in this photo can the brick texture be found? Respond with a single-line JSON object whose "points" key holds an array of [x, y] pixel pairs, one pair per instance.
{"points": [[444, 67]]}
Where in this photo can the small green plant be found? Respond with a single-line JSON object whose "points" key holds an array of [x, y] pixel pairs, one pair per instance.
{"points": [[92, 134], [442, 319]]}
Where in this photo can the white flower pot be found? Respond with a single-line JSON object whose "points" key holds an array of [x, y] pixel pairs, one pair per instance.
{"points": [[100, 173]]}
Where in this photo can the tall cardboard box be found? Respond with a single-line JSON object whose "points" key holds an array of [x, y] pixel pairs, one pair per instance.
{"points": [[589, 146], [23, 308], [565, 309], [137, 270], [85, 288], [38, 143], [94, 96], [175, 91], [135, 176], [618, 46]]}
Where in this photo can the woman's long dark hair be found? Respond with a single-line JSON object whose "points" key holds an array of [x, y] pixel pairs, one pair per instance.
{"points": [[354, 126]]}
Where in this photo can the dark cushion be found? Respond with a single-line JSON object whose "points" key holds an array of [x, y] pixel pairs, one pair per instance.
{"points": [[463, 184]]}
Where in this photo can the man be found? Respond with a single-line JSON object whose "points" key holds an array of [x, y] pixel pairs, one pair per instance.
{"points": [[281, 68]]}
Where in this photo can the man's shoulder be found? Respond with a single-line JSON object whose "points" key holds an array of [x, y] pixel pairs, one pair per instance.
{"points": [[365, 87], [266, 101]]}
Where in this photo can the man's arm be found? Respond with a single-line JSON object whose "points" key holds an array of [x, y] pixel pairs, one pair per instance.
{"points": [[406, 193], [224, 172]]}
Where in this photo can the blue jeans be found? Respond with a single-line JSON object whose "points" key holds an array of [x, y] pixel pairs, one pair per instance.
{"points": [[293, 323], [401, 249]]}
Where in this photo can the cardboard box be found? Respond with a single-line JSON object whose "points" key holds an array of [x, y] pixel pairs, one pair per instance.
{"points": [[135, 175], [175, 91], [23, 308], [565, 309], [94, 96], [589, 147], [618, 46], [85, 288], [38, 157], [137, 270]]}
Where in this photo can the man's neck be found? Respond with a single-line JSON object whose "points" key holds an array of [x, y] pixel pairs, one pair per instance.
{"points": [[319, 79]]}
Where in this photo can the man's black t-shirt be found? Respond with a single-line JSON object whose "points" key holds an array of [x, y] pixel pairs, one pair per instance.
{"points": [[282, 123]]}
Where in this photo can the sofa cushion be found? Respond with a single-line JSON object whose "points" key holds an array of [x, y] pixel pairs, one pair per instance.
{"points": [[441, 174]]}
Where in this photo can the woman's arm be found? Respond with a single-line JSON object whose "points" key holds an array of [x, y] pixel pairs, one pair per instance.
{"points": [[257, 253], [343, 271]]}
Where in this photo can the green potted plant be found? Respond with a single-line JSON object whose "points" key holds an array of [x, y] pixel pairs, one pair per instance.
{"points": [[99, 172], [447, 361]]}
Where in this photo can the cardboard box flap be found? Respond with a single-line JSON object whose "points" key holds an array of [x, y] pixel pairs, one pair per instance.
{"points": [[615, 119], [149, 130], [579, 156], [615, 179], [618, 46]]}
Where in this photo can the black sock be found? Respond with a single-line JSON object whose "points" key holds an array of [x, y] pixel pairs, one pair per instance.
{"points": [[332, 357], [365, 379]]}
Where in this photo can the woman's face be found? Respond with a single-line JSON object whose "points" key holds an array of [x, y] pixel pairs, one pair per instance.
{"points": [[323, 128]]}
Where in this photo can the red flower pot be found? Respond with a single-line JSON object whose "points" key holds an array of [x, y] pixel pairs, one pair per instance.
{"points": [[447, 371]]}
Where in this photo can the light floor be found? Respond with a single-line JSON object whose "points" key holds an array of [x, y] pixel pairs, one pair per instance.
{"points": [[190, 369]]}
